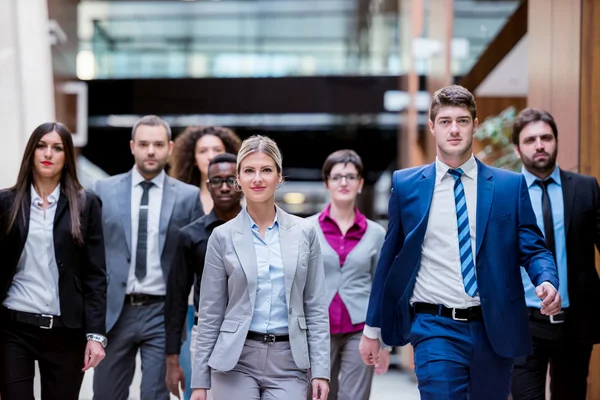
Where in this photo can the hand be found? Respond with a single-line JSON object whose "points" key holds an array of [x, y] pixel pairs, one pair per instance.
{"points": [[551, 301], [198, 394], [369, 350], [384, 362], [94, 353], [320, 389], [175, 375]]}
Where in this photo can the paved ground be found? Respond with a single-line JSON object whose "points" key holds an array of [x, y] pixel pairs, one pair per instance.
{"points": [[394, 385]]}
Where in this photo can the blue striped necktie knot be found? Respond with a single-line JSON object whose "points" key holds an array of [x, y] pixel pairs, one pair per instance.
{"points": [[464, 235]]}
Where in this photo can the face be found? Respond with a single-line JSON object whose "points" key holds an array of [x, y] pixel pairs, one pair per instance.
{"points": [[537, 147], [49, 156], [453, 129], [258, 177], [221, 178], [207, 147], [344, 182], [151, 149]]}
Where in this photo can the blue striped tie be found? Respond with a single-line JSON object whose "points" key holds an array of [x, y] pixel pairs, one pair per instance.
{"points": [[464, 234]]}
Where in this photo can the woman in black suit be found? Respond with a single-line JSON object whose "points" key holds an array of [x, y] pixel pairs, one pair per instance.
{"points": [[53, 274]]}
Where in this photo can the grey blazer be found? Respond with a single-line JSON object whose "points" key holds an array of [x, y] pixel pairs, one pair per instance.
{"points": [[180, 206], [353, 282], [228, 293]]}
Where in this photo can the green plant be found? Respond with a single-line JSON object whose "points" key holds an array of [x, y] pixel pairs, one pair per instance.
{"points": [[495, 132]]}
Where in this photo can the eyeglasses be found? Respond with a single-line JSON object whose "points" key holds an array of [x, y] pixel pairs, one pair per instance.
{"points": [[216, 182], [350, 178]]}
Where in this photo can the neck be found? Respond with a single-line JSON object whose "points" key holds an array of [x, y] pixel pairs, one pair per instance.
{"points": [[148, 176], [227, 215], [45, 186], [542, 174], [342, 212], [262, 213], [454, 161]]}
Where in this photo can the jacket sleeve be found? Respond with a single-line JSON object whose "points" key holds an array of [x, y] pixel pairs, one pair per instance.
{"points": [[94, 272]]}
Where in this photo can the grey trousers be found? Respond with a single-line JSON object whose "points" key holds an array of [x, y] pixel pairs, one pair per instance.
{"points": [[351, 378], [138, 328], [264, 372]]}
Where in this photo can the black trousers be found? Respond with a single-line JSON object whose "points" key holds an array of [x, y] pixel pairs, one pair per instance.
{"points": [[59, 352], [569, 365]]}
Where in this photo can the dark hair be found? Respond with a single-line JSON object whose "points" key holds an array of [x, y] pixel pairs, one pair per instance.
{"points": [[452, 96], [69, 184], [151, 120], [344, 156], [223, 158], [531, 115], [183, 159]]}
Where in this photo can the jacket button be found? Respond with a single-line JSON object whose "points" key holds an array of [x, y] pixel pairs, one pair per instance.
{"points": [[123, 284], [128, 260], [290, 310]]}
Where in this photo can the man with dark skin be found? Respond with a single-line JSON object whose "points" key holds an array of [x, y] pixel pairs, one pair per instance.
{"points": [[189, 262]]}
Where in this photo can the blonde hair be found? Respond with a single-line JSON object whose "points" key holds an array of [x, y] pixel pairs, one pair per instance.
{"points": [[260, 144]]}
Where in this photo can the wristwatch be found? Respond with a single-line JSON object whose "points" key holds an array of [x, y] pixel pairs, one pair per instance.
{"points": [[97, 338]]}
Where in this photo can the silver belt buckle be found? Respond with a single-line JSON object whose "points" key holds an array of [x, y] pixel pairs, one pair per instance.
{"points": [[51, 321], [553, 321], [454, 317], [133, 302], [269, 338]]}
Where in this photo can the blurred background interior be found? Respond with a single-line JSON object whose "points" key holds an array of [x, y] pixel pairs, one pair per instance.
{"points": [[315, 75]]}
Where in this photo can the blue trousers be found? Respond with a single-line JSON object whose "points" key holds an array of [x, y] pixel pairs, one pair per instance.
{"points": [[184, 355], [455, 361]]}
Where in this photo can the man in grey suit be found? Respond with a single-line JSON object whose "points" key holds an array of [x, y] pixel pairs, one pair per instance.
{"points": [[143, 210]]}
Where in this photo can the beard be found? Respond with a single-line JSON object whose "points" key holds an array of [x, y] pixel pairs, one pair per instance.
{"points": [[540, 165]]}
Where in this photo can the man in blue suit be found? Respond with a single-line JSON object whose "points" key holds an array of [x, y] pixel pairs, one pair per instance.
{"points": [[448, 279]]}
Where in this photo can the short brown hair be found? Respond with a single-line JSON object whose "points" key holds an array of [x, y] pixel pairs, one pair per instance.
{"points": [[452, 96], [529, 116], [344, 156], [151, 120]]}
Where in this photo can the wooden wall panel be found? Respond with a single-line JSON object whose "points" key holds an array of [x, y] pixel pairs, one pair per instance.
{"points": [[554, 35], [589, 136]]}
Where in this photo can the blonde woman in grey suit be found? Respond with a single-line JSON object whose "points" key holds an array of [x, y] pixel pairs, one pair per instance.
{"points": [[263, 318], [350, 244]]}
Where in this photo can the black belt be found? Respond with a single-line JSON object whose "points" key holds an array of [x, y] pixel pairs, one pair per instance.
{"points": [[457, 314], [43, 321], [140, 299], [536, 314], [267, 337]]}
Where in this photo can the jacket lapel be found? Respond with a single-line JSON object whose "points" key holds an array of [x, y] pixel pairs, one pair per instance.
{"points": [[243, 244], [288, 239], [123, 194], [60, 207], [485, 197], [426, 186], [569, 190], [168, 203]]}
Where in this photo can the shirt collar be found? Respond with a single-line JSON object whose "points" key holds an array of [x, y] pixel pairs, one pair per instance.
{"points": [[137, 178], [531, 178], [52, 198], [253, 224], [359, 218], [469, 169]]}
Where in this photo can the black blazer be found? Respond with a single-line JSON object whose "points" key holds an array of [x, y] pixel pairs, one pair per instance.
{"points": [[582, 227], [81, 268]]}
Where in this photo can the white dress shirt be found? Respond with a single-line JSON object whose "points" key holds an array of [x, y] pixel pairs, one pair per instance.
{"points": [[270, 309], [34, 287], [154, 281], [439, 280]]}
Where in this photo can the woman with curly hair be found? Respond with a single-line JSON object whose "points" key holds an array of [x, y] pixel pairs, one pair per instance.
{"points": [[193, 150]]}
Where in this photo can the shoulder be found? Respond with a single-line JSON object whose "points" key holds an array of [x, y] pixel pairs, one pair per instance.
{"points": [[184, 189], [92, 199], [190, 229], [375, 229], [7, 195], [111, 180], [502, 176], [410, 173], [579, 178]]}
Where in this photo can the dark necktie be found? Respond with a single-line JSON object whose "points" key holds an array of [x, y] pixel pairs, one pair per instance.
{"points": [[547, 214], [142, 242]]}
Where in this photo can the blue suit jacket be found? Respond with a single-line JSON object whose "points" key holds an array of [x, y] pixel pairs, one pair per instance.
{"points": [[507, 237]]}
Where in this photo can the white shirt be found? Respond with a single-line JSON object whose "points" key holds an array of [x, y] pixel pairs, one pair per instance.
{"points": [[270, 308], [154, 281], [439, 280], [34, 287]]}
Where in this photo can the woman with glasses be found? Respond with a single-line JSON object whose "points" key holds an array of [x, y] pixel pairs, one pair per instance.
{"points": [[193, 150], [350, 244]]}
